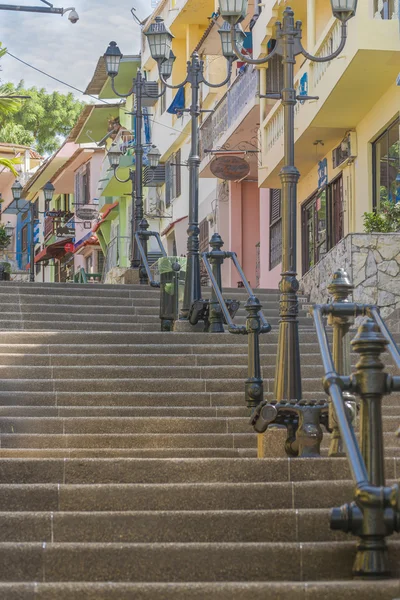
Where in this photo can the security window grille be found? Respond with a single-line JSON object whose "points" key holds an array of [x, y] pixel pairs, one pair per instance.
{"points": [[204, 239], [275, 229], [178, 175], [322, 223], [386, 165]]}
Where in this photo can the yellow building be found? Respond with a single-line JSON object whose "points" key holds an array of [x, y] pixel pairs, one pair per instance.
{"points": [[347, 141], [191, 22]]}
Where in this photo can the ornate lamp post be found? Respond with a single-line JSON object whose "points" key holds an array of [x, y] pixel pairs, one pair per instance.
{"points": [[160, 41], [138, 222], [288, 46], [113, 58]]}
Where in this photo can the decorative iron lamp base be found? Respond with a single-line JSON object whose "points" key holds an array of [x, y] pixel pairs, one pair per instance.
{"points": [[303, 423]]}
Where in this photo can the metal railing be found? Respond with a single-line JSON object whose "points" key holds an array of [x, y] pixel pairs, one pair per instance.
{"points": [[141, 239], [374, 514], [243, 90], [219, 311], [81, 276], [117, 249]]}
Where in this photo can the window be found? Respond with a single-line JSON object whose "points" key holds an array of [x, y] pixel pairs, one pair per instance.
{"points": [[385, 9], [322, 223], [173, 177], [274, 71], [82, 185], [275, 229], [386, 166], [24, 238]]}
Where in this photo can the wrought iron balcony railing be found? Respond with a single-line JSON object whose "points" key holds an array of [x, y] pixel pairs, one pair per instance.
{"points": [[229, 108]]}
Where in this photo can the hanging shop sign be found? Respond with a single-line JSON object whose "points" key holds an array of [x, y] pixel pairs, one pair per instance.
{"points": [[230, 168], [86, 213], [322, 173], [69, 248]]}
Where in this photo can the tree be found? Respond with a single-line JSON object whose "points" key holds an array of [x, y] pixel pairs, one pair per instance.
{"points": [[42, 121]]}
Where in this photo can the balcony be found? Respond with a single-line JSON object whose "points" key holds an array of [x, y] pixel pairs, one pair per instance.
{"points": [[348, 87], [235, 121]]}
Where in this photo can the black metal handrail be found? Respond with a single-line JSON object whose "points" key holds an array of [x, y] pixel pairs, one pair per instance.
{"points": [[141, 237], [218, 310], [374, 514]]}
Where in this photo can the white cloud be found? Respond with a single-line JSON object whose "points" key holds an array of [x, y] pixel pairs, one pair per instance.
{"points": [[68, 52]]}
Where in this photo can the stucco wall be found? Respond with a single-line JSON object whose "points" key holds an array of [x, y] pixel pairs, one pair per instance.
{"points": [[372, 261]]}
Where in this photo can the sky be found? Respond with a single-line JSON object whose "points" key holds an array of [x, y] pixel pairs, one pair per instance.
{"points": [[66, 51]]}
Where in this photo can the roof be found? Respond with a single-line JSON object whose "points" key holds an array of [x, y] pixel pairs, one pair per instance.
{"points": [[100, 77], [4, 147], [93, 121]]}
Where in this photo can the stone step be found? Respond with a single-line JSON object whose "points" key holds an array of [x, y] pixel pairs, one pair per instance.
{"points": [[186, 452], [106, 371], [142, 385], [83, 325], [138, 424], [215, 349], [181, 562], [283, 590], [174, 398], [150, 440], [28, 310], [287, 525], [199, 340], [172, 471]]}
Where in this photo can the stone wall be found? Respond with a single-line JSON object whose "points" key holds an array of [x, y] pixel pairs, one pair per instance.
{"points": [[372, 261]]}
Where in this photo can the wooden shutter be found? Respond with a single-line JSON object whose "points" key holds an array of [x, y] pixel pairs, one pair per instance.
{"points": [[275, 228]]}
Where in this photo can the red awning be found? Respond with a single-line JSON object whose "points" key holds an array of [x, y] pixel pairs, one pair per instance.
{"points": [[172, 225], [105, 215], [55, 250]]}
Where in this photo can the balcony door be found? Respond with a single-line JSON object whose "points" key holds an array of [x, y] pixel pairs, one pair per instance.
{"points": [[322, 222]]}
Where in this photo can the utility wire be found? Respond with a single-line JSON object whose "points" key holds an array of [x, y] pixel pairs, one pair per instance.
{"points": [[55, 78]]}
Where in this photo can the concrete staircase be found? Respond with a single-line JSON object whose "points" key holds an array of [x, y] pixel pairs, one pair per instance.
{"points": [[128, 469]]}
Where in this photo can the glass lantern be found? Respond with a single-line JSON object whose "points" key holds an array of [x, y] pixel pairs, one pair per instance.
{"points": [[113, 156], [166, 66], [160, 40], [153, 156], [344, 9], [233, 11], [225, 33], [112, 57]]}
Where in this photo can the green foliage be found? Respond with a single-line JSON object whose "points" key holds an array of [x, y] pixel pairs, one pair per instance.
{"points": [[6, 266], [387, 220], [4, 238], [46, 118]]}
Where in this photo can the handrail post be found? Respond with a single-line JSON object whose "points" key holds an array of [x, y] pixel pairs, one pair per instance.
{"points": [[143, 227], [216, 258], [340, 289], [254, 386]]}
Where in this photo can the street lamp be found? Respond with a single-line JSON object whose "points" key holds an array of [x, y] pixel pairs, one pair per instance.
{"points": [[153, 156], [113, 57], [288, 46], [160, 41], [48, 190], [16, 190], [9, 229]]}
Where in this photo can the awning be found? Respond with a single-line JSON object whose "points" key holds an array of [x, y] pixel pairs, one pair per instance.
{"points": [[55, 250], [105, 215], [90, 239], [172, 225]]}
